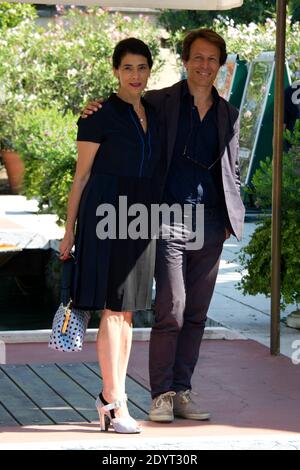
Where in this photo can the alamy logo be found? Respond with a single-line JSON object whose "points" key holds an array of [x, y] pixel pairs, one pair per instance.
{"points": [[137, 221], [296, 354], [2, 352], [296, 93]]}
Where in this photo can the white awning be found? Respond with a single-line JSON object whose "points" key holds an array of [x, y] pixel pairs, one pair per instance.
{"points": [[172, 4]]}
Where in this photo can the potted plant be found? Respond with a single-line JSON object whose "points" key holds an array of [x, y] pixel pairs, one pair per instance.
{"points": [[255, 258], [10, 17], [13, 163]]}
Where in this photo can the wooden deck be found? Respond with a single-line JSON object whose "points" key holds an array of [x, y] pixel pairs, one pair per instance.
{"points": [[58, 393]]}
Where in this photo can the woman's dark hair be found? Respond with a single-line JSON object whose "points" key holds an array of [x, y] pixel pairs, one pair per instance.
{"points": [[131, 46], [210, 36]]}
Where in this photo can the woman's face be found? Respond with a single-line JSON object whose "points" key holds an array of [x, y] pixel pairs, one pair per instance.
{"points": [[133, 73]]}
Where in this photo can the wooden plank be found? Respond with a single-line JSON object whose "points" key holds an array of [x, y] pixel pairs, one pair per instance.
{"points": [[69, 390], [47, 400], [91, 381], [137, 395], [21, 407], [87, 380], [6, 419]]}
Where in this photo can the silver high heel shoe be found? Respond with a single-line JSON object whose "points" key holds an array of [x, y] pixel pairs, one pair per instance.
{"points": [[125, 425]]}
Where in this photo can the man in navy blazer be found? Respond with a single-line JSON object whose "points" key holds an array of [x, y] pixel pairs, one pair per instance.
{"points": [[200, 138]]}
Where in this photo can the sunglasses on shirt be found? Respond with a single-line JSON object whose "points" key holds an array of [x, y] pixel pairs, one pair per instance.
{"points": [[188, 157]]}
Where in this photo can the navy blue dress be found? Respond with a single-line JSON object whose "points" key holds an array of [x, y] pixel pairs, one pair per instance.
{"points": [[116, 273]]}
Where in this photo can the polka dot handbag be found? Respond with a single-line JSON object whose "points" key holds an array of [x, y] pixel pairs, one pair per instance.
{"points": [[68, 328]]}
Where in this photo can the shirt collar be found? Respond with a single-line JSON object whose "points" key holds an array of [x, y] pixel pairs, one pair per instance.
{"points": [[122, 105], [186, 92]]}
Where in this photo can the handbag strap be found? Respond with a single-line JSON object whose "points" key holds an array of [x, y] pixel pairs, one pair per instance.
{"points": [[67, 318]]}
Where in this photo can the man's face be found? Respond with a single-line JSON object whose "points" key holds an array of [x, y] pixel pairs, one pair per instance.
{"points": [[203, 64]]}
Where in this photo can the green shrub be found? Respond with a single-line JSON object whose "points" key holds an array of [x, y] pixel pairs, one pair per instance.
{"points": [[64, 66], [262, 179], [47, 143], [77, 54], [19, 78], [255, 258], [11, 14]]}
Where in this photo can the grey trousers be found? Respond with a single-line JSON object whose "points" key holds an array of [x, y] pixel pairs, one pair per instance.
{"points": [[185, 280]]}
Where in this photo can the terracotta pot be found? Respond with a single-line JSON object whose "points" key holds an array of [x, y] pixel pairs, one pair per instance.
{"points": [[14, 168]]}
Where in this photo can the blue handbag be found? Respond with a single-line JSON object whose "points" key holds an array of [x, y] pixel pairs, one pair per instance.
{"points": [[69, 324]]}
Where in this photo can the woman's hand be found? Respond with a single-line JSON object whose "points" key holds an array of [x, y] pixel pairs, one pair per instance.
{"points": [[227, 233], [66, 245], [92, 107]]}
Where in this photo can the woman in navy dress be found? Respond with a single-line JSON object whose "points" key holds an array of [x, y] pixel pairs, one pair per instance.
{"points": [[118, 154]]}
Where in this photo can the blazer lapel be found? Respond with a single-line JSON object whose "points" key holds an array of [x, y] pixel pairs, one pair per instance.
{"points": [[172, 115], [225, 129], [223, 126]]}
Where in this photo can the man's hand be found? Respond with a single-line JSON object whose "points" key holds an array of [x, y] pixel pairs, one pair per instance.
{"points": [[92, 107]]}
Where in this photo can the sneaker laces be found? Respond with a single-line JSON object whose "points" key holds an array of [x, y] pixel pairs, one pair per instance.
{"points": [[185, 396], [168, 396]]}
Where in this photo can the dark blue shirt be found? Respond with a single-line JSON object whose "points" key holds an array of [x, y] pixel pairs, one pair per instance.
{"points": [[196, 141]]}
